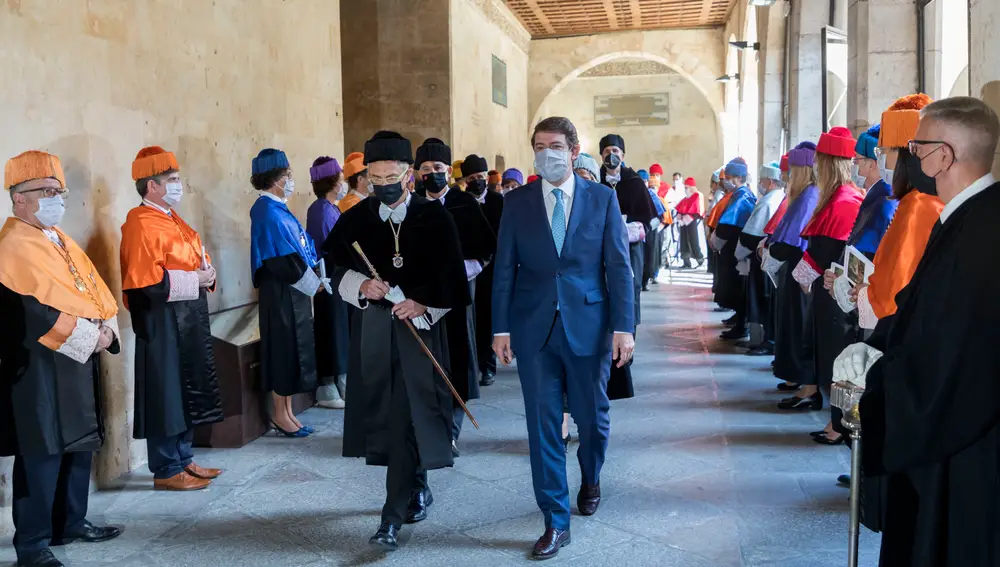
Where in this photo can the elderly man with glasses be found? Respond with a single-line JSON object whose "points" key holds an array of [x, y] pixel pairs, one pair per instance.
{"points": [[59, 315]]}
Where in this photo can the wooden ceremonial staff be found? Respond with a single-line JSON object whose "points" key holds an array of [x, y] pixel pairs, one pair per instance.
{"points": [[423, 345]]}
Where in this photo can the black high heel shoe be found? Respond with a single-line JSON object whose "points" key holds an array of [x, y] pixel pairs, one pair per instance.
{"points": [[813, 402], [280, 431], [824, 440]]}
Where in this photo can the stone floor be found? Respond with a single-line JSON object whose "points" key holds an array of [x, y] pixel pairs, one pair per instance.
{"points": [[702, 471]]}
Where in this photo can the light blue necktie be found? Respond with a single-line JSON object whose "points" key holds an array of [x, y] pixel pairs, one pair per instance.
{"points": [[559, 221]]}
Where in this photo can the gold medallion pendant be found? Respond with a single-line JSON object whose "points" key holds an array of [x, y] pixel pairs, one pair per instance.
{"points": [[80, 286], [397, 261]]}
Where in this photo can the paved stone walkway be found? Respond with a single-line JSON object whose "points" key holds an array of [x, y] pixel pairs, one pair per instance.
{"points": [[703, 471]]}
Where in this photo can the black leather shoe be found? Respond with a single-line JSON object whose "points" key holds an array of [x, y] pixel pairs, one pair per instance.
{"points": [[43, 558], [487, 380], [722, 310], [735, 334], [822, 439], [786, 387], [844, 480], [385, 538], [550, 543], [813, 402], [88, 533], [588, 499], [419, 503], [760, 351], [730, 321]]}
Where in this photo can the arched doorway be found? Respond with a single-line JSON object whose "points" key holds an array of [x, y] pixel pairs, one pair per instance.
{"points": [[662, 114]]}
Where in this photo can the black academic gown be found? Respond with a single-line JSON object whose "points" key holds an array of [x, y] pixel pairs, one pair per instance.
{"points": [[331, 331], [930, 413], [479, 243], [793, 347], [832, 329], [731, 287], [49, 403], [493, 209], [176, 388], [756, 293], [433, 274], [637, 206], [288, 348]]}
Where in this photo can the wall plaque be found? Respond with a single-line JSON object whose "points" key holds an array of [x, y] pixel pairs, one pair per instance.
{"points": [[499, 81], [632, 110]]}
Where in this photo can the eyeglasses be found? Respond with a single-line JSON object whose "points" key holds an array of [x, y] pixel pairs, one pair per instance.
{"points": [[388, 180], [48, 191], [857, 160], [914, 144]]}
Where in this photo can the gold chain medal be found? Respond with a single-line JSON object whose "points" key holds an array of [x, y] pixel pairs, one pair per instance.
{"points": [[397, 260]]}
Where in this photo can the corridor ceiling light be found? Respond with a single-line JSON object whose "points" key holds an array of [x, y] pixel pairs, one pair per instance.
{"points": [[745, 45], [729, 78], [762, 3]]}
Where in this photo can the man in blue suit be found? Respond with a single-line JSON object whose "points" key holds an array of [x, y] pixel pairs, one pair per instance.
{"points": [[563, 301]]}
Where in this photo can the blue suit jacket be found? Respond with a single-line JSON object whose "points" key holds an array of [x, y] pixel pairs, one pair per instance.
{"points": [[591, 282]]}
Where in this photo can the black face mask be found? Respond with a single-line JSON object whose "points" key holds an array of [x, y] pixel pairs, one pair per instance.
{"points": [[476, 186], [918, 179], [434, 182], [389, 194], [612, 161]]}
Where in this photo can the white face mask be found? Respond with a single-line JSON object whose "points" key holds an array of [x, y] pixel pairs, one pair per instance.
{"points": [[885, 173], [679, 184], [289, 187], [856, 176], [175, 191], [50, 211], [729, 185], [341, 190], [552, 165]]}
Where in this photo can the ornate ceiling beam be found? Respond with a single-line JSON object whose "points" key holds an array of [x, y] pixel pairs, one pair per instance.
{"points": [[609, 9], [542, 18]]}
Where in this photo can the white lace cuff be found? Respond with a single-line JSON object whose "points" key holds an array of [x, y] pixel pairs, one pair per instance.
{"points": [[717, 243], [742, 251], [183, 285], [435, 314], [866, 315], [350, 289], [308, 284], [82, 341], [472, 269], [804, 273], [112, 324]]}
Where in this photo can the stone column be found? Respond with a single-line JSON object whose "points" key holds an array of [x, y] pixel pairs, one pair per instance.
{"points": [[882, 66], [771, 23], [984, 55], [396, 69], [805, 106]]}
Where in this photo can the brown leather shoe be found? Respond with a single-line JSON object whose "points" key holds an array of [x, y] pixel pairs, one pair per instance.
{"points": [[550, 543], [588, 499], [201, 472], [180, 482]]}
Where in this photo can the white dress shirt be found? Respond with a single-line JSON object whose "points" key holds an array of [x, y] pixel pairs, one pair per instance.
{"points": [[569, 191], [153, 205], [274, 197], [971, 191], [398, 215]]}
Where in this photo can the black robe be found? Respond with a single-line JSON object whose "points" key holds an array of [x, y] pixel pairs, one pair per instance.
{"points": [[49, 403], [287, 345], [793, 348], [758, 307], [730, 285], [331, 329], [637, 206], [176, 388], [433, 274], [493, 209], [930, 413], [690, 243], [479, 243], [832, 329]]}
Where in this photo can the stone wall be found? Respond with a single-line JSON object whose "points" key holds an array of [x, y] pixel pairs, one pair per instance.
{"points": [[215, 82], [396, 70], [697, 54], [689, 144], [480, 30]]}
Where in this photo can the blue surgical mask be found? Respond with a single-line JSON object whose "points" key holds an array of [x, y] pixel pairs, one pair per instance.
{"points": [[552, 165], [50, 211]]}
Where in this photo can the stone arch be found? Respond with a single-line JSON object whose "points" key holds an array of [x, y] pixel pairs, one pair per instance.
{"points": [[571, 76]]}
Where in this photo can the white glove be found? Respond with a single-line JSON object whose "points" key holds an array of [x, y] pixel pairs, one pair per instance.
{"points": [[396, 296], [853, 364], [842, 293], [325, 282], [743, 267]]}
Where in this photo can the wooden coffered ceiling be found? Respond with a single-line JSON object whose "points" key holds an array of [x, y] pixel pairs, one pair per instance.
{"points": [[555, 18]]}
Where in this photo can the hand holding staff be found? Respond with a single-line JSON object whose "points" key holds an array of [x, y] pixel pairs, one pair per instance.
{"points": [[423, 345]]}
